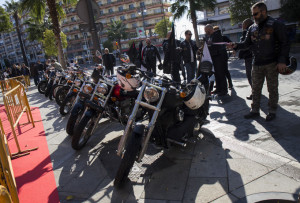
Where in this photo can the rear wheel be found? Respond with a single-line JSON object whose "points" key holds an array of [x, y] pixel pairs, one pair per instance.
{"points": [[131, 153], [66, 105], [42, 87], [61, 94], [83, 132], [73, 121]]}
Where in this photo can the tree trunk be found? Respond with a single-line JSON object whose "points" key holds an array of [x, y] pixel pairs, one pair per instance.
{"points": [[20, 38], [194, 22], [56, 30]]}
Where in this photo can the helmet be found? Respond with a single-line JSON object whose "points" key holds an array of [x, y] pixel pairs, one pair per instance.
{"points": [[291, 66], [195, 97], [128, 80]]}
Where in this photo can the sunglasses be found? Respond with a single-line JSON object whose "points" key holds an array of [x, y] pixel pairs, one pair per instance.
{"points": [[255, 14], [190, 34]]}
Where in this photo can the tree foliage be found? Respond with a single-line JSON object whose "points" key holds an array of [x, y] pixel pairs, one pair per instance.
{"points": [[117, 31], [290, 10], [162, 27], [180, 7], [36, 28], [5, 23], [240, 10], [50, 45]]}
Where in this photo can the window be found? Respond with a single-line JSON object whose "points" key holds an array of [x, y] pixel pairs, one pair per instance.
{"points": [[121, 8], [73, 19], [133, 15], [99, 3], [112, 19], [157, 10], [122, 18], [101, 12], [223, 9], [210, 13], [108, 1], [131, 6], [134, 25], [110, 10], [142, 4]]}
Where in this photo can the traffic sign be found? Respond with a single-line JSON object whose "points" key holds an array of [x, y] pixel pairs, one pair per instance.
{"points": [[82, 10]]}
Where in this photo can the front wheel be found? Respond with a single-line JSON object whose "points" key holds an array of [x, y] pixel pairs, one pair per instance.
{"points": [[42, 87], [61, 94], [66, 105], [131, 153], [73, 121], [83, 132]]}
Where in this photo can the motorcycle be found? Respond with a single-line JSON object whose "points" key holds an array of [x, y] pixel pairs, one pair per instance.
{"points": [[60, 81], [71, 95], [42, 86], [114, 98], [85, 93], [174, 111], [51, 78]]}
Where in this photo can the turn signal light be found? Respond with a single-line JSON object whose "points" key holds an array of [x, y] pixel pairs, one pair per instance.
{"points": [[182, 94], [114, 99], [96, 98], [75, 90], [128, 76], [69, 81]]}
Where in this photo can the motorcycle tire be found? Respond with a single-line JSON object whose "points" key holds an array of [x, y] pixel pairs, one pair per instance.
{"points": [[67, 103], [61, 94], [56, 89], [51, 94], [73, 121], [131, 153], [82, 133], [42, 87], [48, 89]]}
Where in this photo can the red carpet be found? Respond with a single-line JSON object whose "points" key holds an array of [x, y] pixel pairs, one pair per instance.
{"points": [[33, 173]]}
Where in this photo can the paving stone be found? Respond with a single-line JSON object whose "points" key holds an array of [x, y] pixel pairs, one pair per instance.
{"points": [[228, 198], [207, 151], [167, 184], [243, 171], [233, 155], [271, 182], [178, 152], [208, 168], [205, 189], [292, 169]]}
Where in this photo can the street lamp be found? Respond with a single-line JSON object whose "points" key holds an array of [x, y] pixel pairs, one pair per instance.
{"points": [[141, 11]]}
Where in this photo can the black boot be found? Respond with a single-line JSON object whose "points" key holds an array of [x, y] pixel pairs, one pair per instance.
{"points": [[251, 115]]}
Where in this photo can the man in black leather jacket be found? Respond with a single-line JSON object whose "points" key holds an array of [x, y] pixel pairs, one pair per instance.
{"points": [[189, 49], [246, 54], [149, 55], [219, 57], [270, 47]]}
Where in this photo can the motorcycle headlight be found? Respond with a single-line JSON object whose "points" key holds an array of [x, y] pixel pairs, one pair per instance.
{"points": [[77, 83], [58, 74], [67, 77], [151, 94], [102, 88], [87, 89]]}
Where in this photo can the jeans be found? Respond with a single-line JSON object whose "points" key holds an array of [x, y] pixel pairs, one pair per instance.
{"points": [[109, 70], [190, 70]]}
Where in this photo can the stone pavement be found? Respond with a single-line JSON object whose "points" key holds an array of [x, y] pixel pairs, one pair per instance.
{"points": [[233, 158]]}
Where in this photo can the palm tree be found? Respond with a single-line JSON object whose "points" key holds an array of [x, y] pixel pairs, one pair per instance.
{"points": [[14, 9], [36, 29], [180, 7], [117, 31], [38, 8]]}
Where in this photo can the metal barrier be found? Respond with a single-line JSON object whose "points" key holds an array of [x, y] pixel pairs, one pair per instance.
{"points": [[16, 103], [7, 180], [10, 83]]}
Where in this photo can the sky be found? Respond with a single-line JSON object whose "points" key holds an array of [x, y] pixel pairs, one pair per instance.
{"points": [[2, 2]]}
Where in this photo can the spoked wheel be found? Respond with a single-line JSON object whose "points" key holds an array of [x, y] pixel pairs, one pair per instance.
{"points": [[42, 87], [61, 95], [83, 132], [66, 105], [131, 153], [73, 121]]}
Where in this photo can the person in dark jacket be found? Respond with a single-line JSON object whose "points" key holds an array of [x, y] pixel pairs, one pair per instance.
{"points": [[109, 61], [246, 54], [25, 71], [149, 55], [189, 49], [270, 47], [34, 71], [15, 71], [227, 73], [219, 57]]}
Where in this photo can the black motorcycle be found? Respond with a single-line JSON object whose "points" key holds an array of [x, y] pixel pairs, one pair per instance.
{"points": [[42, 86], [59, 81], [173, 115]]}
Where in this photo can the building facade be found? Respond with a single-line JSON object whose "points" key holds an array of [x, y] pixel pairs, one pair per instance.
{"points": [[10, 49], [220, 16], [135, 14]]}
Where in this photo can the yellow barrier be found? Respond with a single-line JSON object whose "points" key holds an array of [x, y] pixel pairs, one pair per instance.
{"points": [[10, 83], [16, 103], [7, 180]]}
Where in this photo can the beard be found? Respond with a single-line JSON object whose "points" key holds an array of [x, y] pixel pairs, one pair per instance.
{"points": [[260, 19]]}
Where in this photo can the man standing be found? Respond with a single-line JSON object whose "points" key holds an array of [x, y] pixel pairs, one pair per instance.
{"points": [[246, 54], [109, 61], [189, 49], [172, 56], [149, 55], [56, 65], [25, 71], [219, 57], [270, 47], [34, 71]]}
